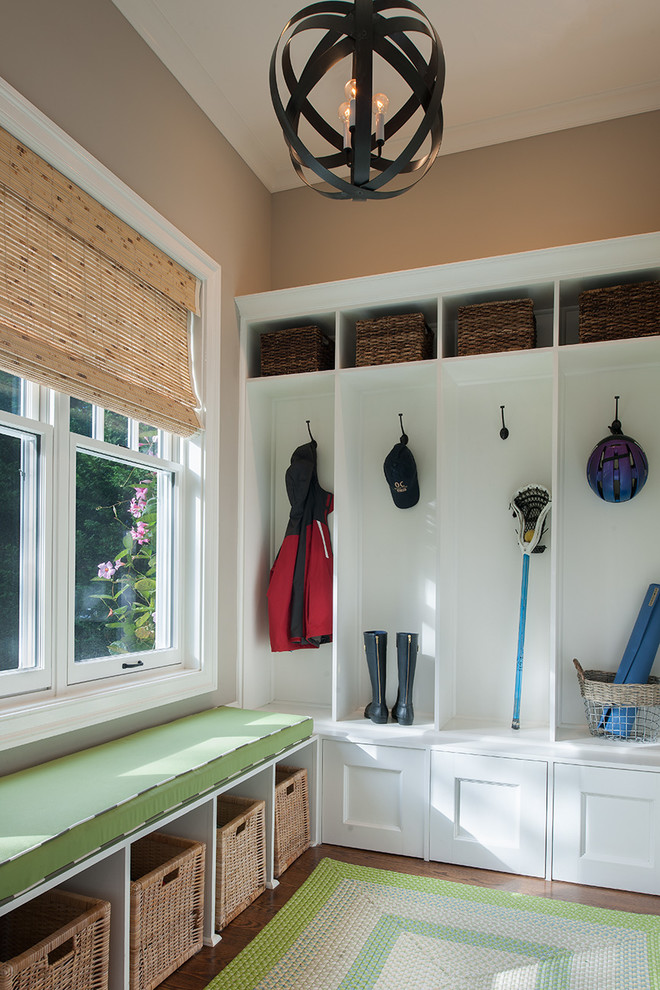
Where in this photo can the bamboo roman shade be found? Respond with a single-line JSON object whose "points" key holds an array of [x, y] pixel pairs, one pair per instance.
{"points": [[87, 305]]}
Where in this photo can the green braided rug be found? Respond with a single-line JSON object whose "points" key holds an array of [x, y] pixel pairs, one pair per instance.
{"points": [[356, 928]]}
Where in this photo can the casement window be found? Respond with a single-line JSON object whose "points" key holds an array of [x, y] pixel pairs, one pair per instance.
{"points": [[107, 446], [122, 517]]}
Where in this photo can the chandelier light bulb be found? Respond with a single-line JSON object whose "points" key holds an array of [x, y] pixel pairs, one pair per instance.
{"points": [[350, 89], [380, 105], [344, 114]]}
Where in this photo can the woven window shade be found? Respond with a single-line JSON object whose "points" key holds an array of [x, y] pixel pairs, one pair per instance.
{"points": [[87, 305]]}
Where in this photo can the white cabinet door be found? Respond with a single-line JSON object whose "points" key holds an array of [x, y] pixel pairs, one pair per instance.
{"points": [[607, 827], [488, 812], [374, 797]]}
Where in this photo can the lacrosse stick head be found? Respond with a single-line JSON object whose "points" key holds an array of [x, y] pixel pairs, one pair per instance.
{"points": [[530, 506]]}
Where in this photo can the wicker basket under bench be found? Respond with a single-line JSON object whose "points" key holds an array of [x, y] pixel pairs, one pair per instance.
{"points": [[240, 856], [57, 941], [292, 831], [167, 906]]}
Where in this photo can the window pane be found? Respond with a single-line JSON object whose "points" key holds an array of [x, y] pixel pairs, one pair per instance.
{"points": [[10, 393], [80, 417], [18, 553], [119, 535], [115, 429], [149, 440]]}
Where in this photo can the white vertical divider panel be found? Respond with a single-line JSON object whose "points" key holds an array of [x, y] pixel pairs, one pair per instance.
{"points": [[256, 507], [347, 647], [448, 551], [109, 880], [555, 521], [443, 691]]}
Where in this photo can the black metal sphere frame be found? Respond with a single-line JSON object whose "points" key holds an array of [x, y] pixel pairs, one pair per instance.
{"points": [[359, 29]]}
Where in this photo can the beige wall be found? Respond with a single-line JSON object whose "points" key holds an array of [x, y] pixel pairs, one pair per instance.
{"points": [[582, 184], [83, 65]]}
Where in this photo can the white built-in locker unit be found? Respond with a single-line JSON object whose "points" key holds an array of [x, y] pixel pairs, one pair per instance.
{"points": [[460, 785]]}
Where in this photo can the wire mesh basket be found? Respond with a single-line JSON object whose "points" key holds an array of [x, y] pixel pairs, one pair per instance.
{"points": [[620, 711]]}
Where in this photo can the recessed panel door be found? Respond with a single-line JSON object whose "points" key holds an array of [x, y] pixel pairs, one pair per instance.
{"points": [[374, 797], [488, 812], [607, 827]]}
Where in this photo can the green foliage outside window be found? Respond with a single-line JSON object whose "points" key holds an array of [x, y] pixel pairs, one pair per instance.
{"points": [[116, 528]]}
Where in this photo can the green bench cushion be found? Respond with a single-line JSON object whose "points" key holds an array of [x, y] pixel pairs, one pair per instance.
{"points": [[56, 813]]}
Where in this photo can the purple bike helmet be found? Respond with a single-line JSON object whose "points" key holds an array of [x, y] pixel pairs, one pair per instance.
{"points": [[617, 468]]}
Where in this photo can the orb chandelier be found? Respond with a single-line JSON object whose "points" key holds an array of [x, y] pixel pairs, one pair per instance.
{"points": [[355, 164]]}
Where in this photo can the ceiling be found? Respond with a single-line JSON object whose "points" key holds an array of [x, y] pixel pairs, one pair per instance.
{"points": [[514, 68]]}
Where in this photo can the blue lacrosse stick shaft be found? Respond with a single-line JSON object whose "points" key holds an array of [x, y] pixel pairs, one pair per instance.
{"points": [[515, 724]]}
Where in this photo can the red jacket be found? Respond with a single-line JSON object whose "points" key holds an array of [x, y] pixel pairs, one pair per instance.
{"points": [[300, 586]]}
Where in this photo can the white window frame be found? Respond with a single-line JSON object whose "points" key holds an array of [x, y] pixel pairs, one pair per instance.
{"points": [[43, 713]]}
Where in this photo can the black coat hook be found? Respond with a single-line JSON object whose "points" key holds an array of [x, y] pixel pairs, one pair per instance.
{"points": [[310, 433], [404, 438], [503, 432]]}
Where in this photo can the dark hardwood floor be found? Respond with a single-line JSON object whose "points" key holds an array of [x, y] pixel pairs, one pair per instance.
{"points": [[200, 970]]}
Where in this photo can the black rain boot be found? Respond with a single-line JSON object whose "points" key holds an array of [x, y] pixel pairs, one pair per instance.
{"points": [[407, 646], [375, 649]]}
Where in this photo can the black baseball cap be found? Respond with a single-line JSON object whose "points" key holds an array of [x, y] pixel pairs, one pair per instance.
{"points": [[401, 474]]}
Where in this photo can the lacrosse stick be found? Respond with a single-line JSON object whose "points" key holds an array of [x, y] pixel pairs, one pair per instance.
{"points": [[530, 505]]}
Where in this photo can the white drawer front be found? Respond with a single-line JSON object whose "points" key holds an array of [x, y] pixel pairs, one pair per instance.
{"points": [[374, 797], [488, 812], [607, 827]]}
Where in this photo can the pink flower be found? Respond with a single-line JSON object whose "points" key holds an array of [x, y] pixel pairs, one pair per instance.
{"points": [[138, 502], [118, 564], [106, 570], [141, 533]]}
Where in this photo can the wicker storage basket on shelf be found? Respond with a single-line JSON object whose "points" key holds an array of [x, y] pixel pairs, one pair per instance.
{"points": [[58, 941], [297, 350], [240, 857], [489, 327], [167, 906], [292, 835], [390, 339], [619, 311], [620, 711]]}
